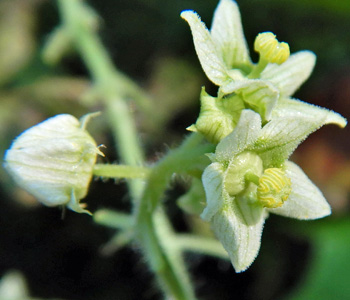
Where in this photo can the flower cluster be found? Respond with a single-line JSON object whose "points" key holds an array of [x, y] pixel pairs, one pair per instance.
{"points": [[256, 126]]}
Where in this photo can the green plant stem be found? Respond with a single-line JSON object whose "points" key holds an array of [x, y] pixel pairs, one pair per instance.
{"points": [[181, 160], [120, 171], [104, 75], [118, 241], [204, 245], [113, 219], [187, 156]]}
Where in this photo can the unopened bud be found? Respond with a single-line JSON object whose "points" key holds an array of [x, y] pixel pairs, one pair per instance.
{"points": [[54, 161]]}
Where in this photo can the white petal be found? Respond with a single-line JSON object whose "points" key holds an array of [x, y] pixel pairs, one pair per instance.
{"points": [[240, 240], [52, 159], [246, 132], [293, 108], [261, 95], [289, 126], [213, 185], [290, 75], [207, 52], [227, 35], [306, 202]]}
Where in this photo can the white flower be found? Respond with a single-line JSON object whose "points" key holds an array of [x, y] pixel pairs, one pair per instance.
{"points": [[250, 177], [224, 56]]}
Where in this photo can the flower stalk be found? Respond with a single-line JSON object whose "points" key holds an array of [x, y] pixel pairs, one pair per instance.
{"points": [[113, 95]]}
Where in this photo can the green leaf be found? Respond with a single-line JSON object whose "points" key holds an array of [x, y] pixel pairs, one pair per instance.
{"points": [[227, 35], [306, 201]]}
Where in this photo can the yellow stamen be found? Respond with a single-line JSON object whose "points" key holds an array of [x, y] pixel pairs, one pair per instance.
{"points": [[274, 188], [270, 49]]}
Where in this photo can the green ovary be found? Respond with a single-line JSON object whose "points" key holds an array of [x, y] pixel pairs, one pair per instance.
{"points": [[244, 163]]}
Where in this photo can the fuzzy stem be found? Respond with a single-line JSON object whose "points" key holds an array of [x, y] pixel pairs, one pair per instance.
{"points": [[120, 171], [204, 245], [113, 219], [183, 158], [105, 77], [180, 160]]}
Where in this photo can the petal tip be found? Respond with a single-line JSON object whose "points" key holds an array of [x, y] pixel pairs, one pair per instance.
{"points": [[185, 14]]}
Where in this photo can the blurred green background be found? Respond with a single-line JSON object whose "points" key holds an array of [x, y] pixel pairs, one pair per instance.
{"points": [[151, 44]]}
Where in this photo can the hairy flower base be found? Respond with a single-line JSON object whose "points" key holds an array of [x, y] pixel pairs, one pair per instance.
{"points": [[235, 176]]}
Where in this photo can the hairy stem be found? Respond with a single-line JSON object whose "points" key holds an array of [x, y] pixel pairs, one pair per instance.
{"points": [[109, 85], [204, 245], [120, 171]]}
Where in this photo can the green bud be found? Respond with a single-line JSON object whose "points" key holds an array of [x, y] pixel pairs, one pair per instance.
{"points": [[54, 161], [218, 116]]}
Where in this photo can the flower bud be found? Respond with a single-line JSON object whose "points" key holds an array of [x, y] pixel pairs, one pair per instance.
{"points": [[54, 161], [218, 117], [274, 188], [270, 49]]}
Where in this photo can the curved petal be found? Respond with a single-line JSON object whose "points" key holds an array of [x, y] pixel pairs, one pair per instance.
{"points": [[289, 107], [306, 201], [290, 75], [246, 132], [227, 35], [240, 240], [292, 121], [212, 179], [209, 57], [260, 95]]}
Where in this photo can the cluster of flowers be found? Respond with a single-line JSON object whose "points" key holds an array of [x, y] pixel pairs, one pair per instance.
{"points": [[256, 126], [253, 121]]}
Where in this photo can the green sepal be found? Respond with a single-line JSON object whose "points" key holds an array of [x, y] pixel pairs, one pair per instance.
{"points": [[218, 116], [193, 202]]}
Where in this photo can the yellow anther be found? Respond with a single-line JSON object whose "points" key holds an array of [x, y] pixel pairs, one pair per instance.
{"points": [[274, 188], [270, 49]]}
